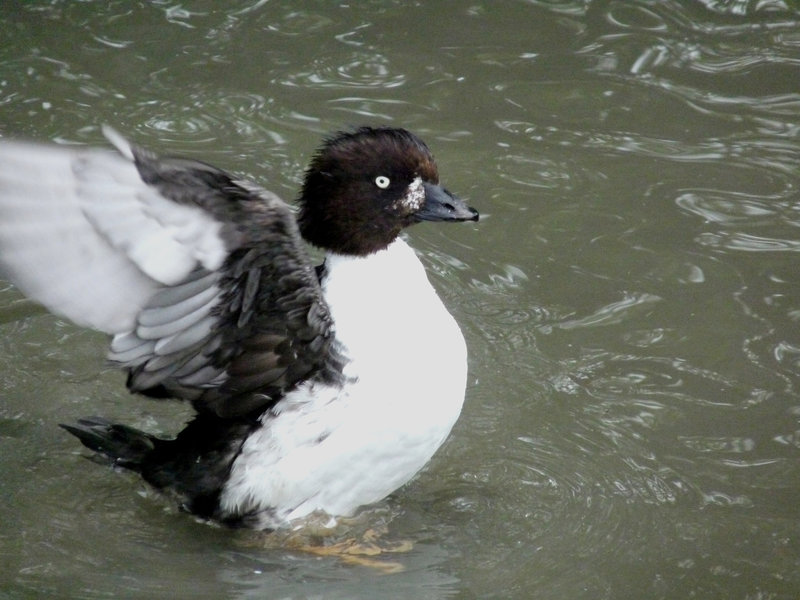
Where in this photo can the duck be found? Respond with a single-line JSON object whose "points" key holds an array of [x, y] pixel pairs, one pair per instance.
{"points": [[315, 388]]}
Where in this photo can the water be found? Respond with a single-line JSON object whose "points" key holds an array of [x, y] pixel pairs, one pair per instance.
{"points": [[631, 299]]}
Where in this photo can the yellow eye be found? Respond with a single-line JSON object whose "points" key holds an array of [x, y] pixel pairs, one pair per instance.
{"points": [[382, 181]]}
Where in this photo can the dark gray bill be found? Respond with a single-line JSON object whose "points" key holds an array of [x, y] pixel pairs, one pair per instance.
{"points": [[441, 205]]}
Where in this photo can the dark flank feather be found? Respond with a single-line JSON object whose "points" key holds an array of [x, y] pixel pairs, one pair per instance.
{"points": [[267, 326], [194, 466]]}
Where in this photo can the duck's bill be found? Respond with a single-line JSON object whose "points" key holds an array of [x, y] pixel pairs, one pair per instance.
{"points": [[441, 205]]}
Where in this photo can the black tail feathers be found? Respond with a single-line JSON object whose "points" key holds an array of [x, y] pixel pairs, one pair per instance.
{"points": [[195, 465], [128, 447]]}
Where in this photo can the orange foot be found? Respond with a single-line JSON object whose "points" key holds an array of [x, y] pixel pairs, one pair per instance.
{"points": [[363, 552]]}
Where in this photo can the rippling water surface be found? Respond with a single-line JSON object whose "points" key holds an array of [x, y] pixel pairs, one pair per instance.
{"points": [[631, 299]]}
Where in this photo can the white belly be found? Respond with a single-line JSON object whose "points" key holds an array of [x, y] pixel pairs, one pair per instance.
{"points": [[335, 449]]}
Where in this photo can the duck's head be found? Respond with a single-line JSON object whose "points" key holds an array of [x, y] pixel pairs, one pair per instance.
{"points": [[363, 187]]}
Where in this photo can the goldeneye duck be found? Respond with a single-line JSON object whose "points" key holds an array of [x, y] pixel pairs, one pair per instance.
{"points": [[315, 389]]}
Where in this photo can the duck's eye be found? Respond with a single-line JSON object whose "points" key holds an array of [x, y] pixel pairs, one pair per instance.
{"points": [[382, 181]]}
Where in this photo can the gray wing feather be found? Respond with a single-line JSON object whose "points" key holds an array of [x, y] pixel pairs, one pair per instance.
{"points": [[81, 233], [203, 281]]}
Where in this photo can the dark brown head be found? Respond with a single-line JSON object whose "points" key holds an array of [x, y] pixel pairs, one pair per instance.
{"points": [[363, 187]]}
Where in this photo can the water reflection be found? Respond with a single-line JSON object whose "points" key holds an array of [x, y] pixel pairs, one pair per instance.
{"points": [[631, 302], [361, 71]]}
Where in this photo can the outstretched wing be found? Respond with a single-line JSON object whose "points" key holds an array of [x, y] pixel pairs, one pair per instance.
{"points": [[202, 280]]}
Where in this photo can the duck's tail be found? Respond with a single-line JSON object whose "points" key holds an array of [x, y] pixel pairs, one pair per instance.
{"points": [[126, 446], [195, 465]]}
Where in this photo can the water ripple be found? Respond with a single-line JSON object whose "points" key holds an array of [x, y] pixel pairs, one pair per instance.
{"points": [[745, 7], [361, 71], [630, 16], [611, 314], [678, 54], [715, 206], [202, 114], [761, 152], [736, 240], [371, 108]]}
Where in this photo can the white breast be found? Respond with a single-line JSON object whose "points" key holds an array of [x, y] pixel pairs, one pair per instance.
{"points": [[337, 449]]}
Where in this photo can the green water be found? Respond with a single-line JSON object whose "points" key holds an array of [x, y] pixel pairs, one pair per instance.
{"points": [[630, 300]]}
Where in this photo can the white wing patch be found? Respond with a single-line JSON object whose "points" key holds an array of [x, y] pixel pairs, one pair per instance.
{"points": [[81, 233], [166, 240]]}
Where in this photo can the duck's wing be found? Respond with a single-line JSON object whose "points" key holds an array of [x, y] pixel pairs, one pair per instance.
{"points": [[202, 280]]}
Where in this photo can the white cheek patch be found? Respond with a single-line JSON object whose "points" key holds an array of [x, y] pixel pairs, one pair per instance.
{"points": [[414, 197]]}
